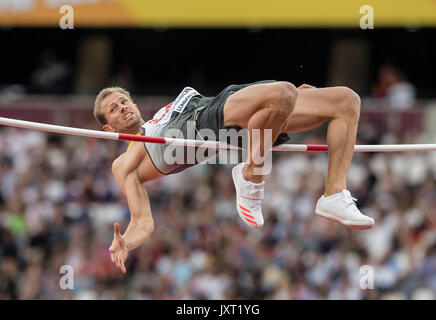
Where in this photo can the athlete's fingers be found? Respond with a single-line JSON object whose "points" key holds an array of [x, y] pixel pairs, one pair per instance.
{"points": [[117, 230], [306, 86], [121, 265]]}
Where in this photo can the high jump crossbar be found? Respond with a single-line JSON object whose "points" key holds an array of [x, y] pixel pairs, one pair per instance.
{"points": [[200, 143]]}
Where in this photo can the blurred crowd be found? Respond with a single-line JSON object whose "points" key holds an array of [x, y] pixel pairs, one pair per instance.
{"points": [[392, 89], [59, 201]]}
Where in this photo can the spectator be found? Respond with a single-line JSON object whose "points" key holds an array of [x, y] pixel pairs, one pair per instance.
{"points": [[393, 88]]}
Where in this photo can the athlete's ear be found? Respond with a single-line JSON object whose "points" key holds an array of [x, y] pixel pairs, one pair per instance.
{"points": [[136, 106], [108, 128]]}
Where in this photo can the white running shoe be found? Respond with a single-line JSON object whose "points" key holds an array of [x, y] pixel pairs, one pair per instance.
{"points": [[249, 197], [342, 209]]}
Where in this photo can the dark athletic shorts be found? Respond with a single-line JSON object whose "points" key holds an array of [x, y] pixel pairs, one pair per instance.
{"points": [[212, 115]]}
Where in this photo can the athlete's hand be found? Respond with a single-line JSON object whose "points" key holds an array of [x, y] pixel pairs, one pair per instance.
{"points": [[118, 249], [306, 86]]}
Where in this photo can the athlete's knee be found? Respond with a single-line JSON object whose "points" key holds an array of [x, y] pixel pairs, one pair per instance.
{"points": [[283, 96], [349, 102]]}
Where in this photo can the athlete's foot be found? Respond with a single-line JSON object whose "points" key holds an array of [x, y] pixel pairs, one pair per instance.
{"points": [[341, 208], [248, 174], [249, 197]]}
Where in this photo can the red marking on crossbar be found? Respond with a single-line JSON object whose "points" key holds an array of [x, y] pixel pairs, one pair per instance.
{"points": [[132, 137], [315, 147]]}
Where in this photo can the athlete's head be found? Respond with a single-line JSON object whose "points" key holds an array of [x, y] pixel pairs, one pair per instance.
{"points": [[116, 112]]}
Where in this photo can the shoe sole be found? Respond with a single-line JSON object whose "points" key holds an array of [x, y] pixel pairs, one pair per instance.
{"points": [[237, 206], [349, 224]]}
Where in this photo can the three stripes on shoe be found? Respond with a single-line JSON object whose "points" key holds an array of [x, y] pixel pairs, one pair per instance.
{"points": [[247, 215]]}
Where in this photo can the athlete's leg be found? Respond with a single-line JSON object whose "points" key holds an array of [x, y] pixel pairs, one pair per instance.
{"points": [[340, 106], [260, 106]]}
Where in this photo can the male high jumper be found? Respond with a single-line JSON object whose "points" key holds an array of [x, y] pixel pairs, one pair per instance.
{"points": [[275, 105]]}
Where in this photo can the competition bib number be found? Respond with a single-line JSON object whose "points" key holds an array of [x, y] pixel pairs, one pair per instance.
{"points": [[178, 105]]}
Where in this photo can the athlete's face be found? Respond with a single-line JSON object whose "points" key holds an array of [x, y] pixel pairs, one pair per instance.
{"points": [[121, 113]]}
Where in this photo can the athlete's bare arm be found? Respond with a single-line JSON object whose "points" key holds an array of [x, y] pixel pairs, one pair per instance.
{"points": [[130, 171]]}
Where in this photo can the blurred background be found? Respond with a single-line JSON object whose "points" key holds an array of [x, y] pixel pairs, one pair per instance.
{"points": [[58, 199]]}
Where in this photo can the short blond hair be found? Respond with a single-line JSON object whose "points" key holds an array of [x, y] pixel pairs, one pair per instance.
{"points": [[98, 114]]}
